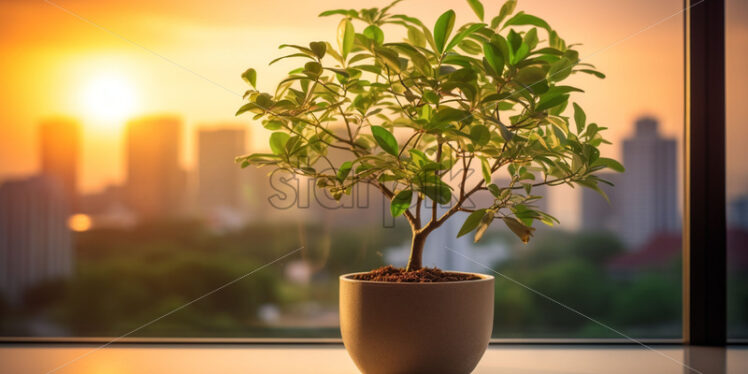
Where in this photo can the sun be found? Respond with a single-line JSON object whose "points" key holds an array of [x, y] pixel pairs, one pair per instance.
{"points": [[108, 98]]}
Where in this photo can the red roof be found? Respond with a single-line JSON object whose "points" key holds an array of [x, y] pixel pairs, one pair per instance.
{"points": [[659, 251], [663, 249]]}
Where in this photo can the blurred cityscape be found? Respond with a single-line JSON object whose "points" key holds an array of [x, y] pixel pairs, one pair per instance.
{"points": [[98, 264]]}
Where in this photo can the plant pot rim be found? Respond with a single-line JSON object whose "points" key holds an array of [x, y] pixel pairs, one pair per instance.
{"points": [[483, 278]]}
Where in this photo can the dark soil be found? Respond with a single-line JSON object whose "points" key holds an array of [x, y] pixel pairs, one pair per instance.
{"points": [[424, 275]]}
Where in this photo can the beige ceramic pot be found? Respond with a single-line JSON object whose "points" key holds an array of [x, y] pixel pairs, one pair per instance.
{"points": [[415, 328]]}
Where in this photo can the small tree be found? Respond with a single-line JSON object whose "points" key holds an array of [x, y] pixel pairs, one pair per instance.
{"points": [[486, 96]]}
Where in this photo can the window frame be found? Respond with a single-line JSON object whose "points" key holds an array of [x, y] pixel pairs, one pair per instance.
{"points": [[704, 249], [704, 218]]}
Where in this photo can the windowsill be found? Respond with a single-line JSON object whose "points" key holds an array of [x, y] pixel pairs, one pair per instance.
{"points": [[332, 359]]}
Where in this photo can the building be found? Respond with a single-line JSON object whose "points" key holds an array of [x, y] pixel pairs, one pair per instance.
{"points": [[155, 179], [35, 242], [737, 214], [648, 189], [597, 213], [643, 202], [59, 149], [221, 181], [107, 208]]}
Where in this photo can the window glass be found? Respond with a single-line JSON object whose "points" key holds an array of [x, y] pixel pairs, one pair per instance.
{"points": [[736, 34], [120, 202]]}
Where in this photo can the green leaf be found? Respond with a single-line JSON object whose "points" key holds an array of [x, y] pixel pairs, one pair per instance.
{"points": [[560, 69], [346, 36], [374, 33], [486, 170], [300, 48], [462, 35], [273, 125], [313, 68], [522, 18], [518, 228], [483, 225], [531, 38], [420, 62], [247, 107], [610, 164], [471, 222], [278, 142], [319, 48], [494, 57], [530, 75], [563, 90], [439, 193], [593, 72], [591, 183], [416, 37], [480, 134], [389, 57], [344, 170], [550, 102], [448, 114], [470, 47], [292, 55], [250, 76], [338, 71], [579, 118], [443, 29], [506, 9], [401, 202], [385, 139], [477, 8], [344, 12], [505, 133], [494, 189]]}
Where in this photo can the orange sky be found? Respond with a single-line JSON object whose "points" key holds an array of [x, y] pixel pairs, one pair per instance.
{"points": [[49, 54]]}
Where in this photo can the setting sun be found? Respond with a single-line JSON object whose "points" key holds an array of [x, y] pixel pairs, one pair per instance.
{"points": [[108, 97]]}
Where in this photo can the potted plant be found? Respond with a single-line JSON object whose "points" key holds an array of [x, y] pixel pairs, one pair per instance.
{"points": [[409, 113]]}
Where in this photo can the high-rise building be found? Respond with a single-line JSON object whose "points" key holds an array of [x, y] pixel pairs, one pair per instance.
{"points": [[648, 189], [35, 242], [155, 179], [597, 213], [737, 213], [220, 180], [59, 148]]}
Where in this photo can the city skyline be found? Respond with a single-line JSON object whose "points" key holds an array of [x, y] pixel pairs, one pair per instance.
{"points": [[232, 139], [145, 84]]}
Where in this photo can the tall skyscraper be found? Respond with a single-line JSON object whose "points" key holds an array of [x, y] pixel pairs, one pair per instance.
{"points": [[155, 179], [599, 214], [219, 178], [35, 242], [59, 147], [737, 213], [648, 190]]}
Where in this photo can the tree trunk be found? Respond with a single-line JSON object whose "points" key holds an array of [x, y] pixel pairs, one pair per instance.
{"points": [[416, 250]]}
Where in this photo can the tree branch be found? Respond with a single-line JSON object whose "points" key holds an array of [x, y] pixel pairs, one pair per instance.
{"points": [[389, 194]]}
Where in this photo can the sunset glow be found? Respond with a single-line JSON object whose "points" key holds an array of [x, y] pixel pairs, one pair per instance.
{"points": [[108, 98], [79, 222]]}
